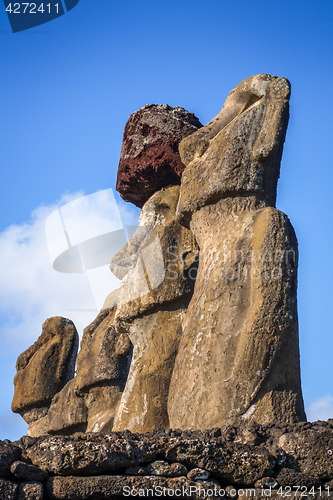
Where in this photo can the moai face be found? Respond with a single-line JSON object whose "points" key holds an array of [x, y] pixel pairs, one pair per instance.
{"points": [[238, 153], [158, 270], [158, 264]]}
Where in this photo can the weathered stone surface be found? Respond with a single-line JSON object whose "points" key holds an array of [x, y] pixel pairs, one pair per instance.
{"points": [[104, 355], [24, 442], [239, 464], [34, 414], [96, 453], [102, 403], [149, 158], [198, 474], [151, 311], [8, 490], [312, 452], [155, 336], [9, 453], [67, 412], [27, 472], [30, 491], [89, 454], [240, 150], [137, 471], [219, 452], [39, 428], [240, 334], [102, 369], [290, 477], [173, 349], [266, 482], [162, 468], [73, 488], [45, 368]]}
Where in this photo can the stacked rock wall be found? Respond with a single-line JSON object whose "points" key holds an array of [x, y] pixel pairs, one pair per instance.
{"points": [[257, 461]]}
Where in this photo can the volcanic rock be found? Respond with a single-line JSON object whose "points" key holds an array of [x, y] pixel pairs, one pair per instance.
{"points": [[239, 464], [162, 468], [187, 343], [242, 320], [137, 471], [290, 477], [103, 355], [93, 454], [9, 453], [198, 474], [266, 482], [95, 465], [103, 487], [39, 428], [90, 454], [30, 491], [27, 472], [158, 265], [8, 490], [149, 158], [311, 450], [45, 368]]}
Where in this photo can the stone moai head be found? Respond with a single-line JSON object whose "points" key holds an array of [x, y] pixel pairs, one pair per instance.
{"points": [[238, 153], [158, 264]]}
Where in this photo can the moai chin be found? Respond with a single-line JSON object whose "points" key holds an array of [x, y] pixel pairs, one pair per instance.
{"points": [[238, 359]]}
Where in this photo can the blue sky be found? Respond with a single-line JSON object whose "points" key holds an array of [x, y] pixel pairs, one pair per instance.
{"points": [[67, 89]]}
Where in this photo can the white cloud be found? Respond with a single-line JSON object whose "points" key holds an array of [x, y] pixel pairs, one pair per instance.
{"points": [[32, 291], [320, 409]]}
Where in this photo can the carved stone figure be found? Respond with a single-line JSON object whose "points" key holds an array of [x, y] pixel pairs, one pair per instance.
{"points": [[153, 296], [238, 358], [45, 368], [203, 330], [102, 369]]}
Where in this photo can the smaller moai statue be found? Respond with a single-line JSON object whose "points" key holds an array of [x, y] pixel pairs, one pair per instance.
{"points": [[158, 263]]}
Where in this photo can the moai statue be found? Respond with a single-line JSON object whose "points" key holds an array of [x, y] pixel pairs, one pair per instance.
{"points": [[102, 368], [238, 358], [43, 370], [158, 267]]}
